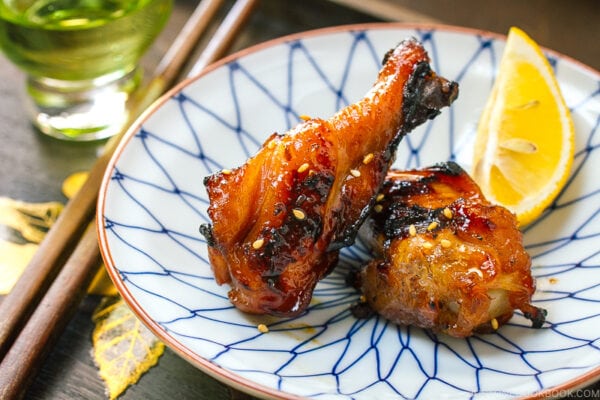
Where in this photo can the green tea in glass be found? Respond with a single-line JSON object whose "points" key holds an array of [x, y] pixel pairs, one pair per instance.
{"points": [[81, 59]]}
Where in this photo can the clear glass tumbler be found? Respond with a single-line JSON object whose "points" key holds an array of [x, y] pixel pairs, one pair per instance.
{"points": [[81, 59]]}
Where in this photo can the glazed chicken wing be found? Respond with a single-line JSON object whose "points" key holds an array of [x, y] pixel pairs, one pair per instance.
{"points": [[279, 220], [447, 259]]}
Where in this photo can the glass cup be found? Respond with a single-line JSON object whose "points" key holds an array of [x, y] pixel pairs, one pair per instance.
{"points": [[81, 59]]}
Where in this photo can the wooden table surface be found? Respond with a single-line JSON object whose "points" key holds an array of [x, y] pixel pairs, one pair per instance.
{"points": [[34, 166]]}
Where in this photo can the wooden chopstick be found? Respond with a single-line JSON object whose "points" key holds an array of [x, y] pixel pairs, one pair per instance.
{"points": [[16, 307], [387, 10], [24, 356], [224, 35]]}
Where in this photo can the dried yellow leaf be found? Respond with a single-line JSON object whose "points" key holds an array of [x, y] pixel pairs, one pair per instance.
{"points": [[73, 183], [102, 285], [124, 349], [22, 227], [13, 260], [30, 220]]}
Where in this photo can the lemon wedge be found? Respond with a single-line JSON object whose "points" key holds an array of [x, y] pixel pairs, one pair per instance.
{"points": [[525, 138]]}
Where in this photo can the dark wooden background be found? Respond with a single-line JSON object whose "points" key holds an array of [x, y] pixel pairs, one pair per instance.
{"points": [[32, 166]]}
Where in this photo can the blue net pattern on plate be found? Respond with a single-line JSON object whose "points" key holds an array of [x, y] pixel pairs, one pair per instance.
{"points": [[155, 202]]}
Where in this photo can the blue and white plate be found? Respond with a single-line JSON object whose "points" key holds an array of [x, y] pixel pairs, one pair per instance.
{"points": [[152, 202]]}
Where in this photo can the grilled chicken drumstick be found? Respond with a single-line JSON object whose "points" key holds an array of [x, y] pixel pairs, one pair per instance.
{"points": [[279, 220], [447, 259]]}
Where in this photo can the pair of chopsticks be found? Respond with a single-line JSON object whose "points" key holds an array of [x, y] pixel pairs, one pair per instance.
{"points": [[43, 300]]}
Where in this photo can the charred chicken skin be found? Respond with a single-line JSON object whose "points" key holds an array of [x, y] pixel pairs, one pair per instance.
{"points": [[447, 260], [279, 220]]}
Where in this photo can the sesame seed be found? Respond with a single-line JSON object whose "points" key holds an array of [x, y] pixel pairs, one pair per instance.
{"points": [[380, 197], [378, 208], [553, 280], [445, 243], [304, 117], [494, 322], [412, 230], [432, 226], [355, 173], [263, 328], [298, 213], [448, 213], [427, 245], [258, 243], [476, 270], [368, 158], [363, 298], [303, 167], [226, 171]]}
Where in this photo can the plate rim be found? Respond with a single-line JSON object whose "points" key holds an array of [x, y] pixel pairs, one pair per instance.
{"points": [[222, 374]]}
